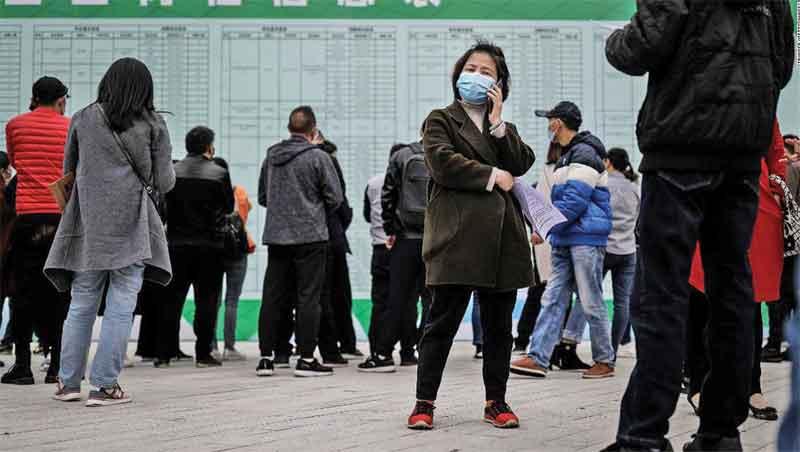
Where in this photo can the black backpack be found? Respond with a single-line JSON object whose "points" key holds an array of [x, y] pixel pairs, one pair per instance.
{"points": [[235, 236], [414, 189]]}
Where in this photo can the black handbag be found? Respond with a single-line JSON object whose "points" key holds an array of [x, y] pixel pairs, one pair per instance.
{"points": [[791, 219], [149, 187], [235, 236]]}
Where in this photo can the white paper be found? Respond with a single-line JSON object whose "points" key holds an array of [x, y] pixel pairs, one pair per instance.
{"points": [[539, 212]]}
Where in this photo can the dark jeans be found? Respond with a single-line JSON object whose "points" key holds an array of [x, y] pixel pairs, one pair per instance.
{"points": [[530, 312], [201, 268], [697, 363], [677, 210], [400, 314], [623, 269], [447, 311], [294, 274], [38, 307], [780, 311], [380, 292]]}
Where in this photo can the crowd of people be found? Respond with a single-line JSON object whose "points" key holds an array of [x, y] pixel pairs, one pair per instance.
{"points": [[694, 245]]}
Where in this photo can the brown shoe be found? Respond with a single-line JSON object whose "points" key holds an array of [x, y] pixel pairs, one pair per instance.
{"points": [[599, 370], [527, 366]]}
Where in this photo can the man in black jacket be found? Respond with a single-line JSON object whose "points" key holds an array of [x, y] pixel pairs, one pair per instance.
{"points": [[196, 210], [403, 201], [716, 69]]}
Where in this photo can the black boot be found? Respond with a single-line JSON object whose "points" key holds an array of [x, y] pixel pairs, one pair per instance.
{"points": [[557, 356], [570, 359], [771, 353], [18, 375]]}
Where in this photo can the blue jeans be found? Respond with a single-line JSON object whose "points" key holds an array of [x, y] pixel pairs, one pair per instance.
{"points": [[578, 267], [235, 272], [623, 271], [87, 291], [789, 434]]}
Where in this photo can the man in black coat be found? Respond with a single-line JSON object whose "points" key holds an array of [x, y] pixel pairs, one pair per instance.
{"points": [[716, 69]]}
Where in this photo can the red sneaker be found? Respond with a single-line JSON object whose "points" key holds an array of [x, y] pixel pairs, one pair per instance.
{"points": [[500, 415], [422, 416]]}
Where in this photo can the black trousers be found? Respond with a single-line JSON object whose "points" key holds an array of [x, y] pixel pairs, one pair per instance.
{"points": [[697, 359], [400, 313], [530, 312], [201, 268], [294, 273], [37, 306], [150, 298], [284, 345], [780, 311], [447, 312], [380, 271], [677, 210], [340, 295]]}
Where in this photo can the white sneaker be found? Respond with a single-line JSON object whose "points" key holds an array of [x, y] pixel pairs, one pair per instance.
{"points": [[216, 355], [45, 366], [233, 355], [627, 351]]}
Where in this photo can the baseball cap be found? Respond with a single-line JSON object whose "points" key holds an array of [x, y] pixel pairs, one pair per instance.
{"points": [[47, 90], [565, 111]]}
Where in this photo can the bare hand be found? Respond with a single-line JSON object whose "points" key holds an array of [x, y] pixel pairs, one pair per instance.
{"points": [[317, 139], [496, 96], [504, 180], [391, 241], [536, 239], [793, 158]]}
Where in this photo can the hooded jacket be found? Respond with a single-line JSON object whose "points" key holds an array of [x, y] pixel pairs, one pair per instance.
{"points": [[716, 69], [580, 193], [298, 186]]}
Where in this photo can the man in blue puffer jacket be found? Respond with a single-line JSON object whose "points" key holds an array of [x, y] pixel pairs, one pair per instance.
{"points": [[580, 192]]}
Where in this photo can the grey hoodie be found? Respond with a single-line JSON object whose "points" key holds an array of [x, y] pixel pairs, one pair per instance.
{"points": [[298, 186]]}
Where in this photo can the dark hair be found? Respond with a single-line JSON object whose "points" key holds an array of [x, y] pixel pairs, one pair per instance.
{"points": [[554, 152], [496, 53], [4, 161], [198, 140], [302, 120], [621, 162], [221, 162], [789, 136], [126, 93]]}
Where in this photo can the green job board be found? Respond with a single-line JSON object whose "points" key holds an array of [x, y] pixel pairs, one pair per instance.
{"points": [[372, 69]]}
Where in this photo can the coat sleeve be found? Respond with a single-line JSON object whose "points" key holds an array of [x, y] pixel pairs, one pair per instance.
{"points": [[648, 41], [367, 209], [786, 50], [582, 178], [515, 156], [162, 159], [263, 180], [390, 195], [449, 167], [329, 184], [70, 149], [228, 200]]}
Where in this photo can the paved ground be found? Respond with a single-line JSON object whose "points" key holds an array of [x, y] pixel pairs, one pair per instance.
{"points": [[229, 409]]}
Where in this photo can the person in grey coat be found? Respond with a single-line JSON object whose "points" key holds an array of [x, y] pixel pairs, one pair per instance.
{"points": [[110, 230], [299, 187]]}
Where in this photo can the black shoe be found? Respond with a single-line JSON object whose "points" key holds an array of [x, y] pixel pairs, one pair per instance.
{"points": [[787, 355], [265, 368], [51, 378], [18, 375], [478, 352], [569, 359], [208, 361], [311, 369], [282, 361], [377, 364], [352, 354], [6, 349], [710, 443], [2, 364], [520, 349], [335, 361], [161, 364], [619, 448], [771, 353], [409, 361], [183, 356]]}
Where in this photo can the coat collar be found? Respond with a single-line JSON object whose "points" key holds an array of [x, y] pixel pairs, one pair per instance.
{"points": [[478, 141]]}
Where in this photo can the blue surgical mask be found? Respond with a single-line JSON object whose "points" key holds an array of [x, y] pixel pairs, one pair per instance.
{"points": [[474, 87]]}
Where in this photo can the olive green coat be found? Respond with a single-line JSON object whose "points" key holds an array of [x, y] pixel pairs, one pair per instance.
{"points": [[473, 237]]}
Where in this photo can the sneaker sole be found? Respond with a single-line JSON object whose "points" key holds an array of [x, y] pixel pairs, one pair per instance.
{"points": [[311, 373], [379, 370], [420, 426], [527, 372], [96, 403], [509, 424], [73, 397], [264, 373], [597, 377]]}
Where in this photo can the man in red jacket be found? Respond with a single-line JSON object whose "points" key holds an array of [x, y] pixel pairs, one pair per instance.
{"points": [[35, 145]]}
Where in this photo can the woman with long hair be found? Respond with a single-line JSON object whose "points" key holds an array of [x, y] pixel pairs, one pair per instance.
{"points": [[111, 231], [475, 237]]}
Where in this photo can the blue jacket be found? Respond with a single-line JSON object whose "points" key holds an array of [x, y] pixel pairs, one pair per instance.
{"points": [[580, 193]]}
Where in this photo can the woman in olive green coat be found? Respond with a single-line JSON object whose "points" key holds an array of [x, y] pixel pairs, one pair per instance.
{"points": [[475, 237]]}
